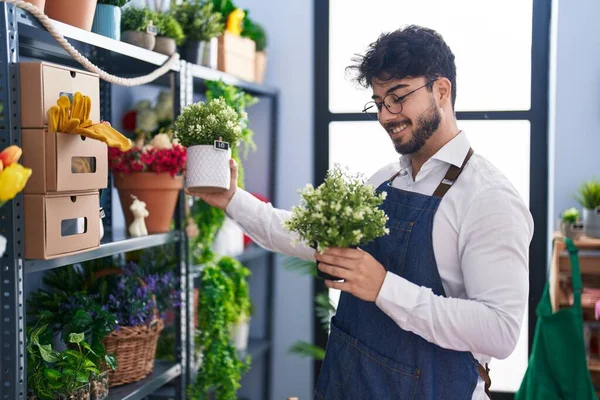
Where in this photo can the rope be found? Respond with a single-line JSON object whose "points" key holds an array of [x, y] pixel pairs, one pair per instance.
{"points": [[87, 64]]}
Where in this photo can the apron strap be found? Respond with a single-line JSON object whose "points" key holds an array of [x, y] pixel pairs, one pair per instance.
{"points": [[575, 272], [451, 176], [484, 373]]}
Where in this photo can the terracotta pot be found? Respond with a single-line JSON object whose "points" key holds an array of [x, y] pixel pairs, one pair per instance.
{"points": [[78, 13], [158, 191], [140, 39], [38, 3]]}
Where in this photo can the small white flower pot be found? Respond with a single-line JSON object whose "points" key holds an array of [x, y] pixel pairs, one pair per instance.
{"points": [[240, 332], [207, 169], [591, 222], [229, 240]]}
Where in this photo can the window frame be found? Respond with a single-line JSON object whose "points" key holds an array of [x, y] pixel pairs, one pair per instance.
{"points": [[537, 115]]}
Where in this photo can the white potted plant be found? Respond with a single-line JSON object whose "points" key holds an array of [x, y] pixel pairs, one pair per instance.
{"points": [[589, 198], [209, 130], [342, 212]]}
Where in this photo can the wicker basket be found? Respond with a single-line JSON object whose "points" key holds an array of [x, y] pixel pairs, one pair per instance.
{"points": [[133, 346]]}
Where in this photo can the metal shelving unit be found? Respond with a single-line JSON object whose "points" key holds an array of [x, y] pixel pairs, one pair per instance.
{"points": [[21, 35]]}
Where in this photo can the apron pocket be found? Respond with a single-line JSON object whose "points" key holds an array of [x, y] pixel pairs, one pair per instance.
{"points": [[365, 374]]}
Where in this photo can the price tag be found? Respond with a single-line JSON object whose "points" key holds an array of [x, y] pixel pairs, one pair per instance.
{"points": [[151, 29], [220, 145]]}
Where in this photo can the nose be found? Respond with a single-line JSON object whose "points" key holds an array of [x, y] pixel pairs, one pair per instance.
{"points": [[386, 116]]}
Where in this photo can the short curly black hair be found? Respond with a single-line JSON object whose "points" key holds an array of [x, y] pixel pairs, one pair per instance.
{"points": [[410, 51]]}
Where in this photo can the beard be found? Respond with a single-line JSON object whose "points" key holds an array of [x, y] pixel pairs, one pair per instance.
{"points": [[426, 126]]}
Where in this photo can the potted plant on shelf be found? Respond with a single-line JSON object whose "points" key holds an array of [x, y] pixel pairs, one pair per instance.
{"points": [[107, 19], [589, 198], [569, 223], [78, 13], [169, 33], [201, 26], [152, 169], [341, 212], [209, 130], [138, 28], [255, 31]]}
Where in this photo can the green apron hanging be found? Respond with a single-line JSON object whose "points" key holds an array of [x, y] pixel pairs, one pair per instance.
{"points": [[557, 366]]}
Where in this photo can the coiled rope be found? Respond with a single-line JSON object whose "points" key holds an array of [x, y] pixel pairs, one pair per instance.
{"points": [[87, 64]]}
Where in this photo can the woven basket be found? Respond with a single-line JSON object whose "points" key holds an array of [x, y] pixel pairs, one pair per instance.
{"points": [[135, 349], [133, 346]]}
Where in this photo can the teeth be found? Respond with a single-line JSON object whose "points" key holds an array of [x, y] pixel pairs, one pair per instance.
{"points": [[399, 128]]}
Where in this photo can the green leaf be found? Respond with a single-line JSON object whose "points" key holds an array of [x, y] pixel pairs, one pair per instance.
{"points": [[69, 372], [47, 353], [111, 361], [76, 337], [86, 346], [82, 377], [52, 374], [89, 363], [308, 350]]}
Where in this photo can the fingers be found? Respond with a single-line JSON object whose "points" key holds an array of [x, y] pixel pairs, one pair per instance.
{"points": [[234, 171], [344, 253], [343, 286], [343, 262], [341, 273]]}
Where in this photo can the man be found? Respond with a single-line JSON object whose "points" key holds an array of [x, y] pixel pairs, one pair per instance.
{"points": [[423, 309]]}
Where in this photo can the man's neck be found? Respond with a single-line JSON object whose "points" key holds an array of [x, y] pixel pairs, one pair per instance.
{"points": [[438, 140]]}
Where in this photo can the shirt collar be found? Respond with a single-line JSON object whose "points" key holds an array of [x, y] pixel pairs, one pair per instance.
{"points": [[453, 152]]}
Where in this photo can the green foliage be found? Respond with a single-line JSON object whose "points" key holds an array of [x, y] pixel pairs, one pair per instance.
{"points": [[307, 350], [342, 212], [224, 7], [136, 19], [168, 26], [209, 220], [256, 32], [199, 19], [165, 349], [238, 274], [570, 215], [589, 194], [204, 122], [221, 367], [50, 372], [240, 101], [117, 3]]}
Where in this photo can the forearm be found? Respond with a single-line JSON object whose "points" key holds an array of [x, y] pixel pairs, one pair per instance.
{"points": [[264, 224]]}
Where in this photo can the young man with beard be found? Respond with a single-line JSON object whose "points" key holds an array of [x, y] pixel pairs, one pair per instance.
{"points": [[423, 309]]}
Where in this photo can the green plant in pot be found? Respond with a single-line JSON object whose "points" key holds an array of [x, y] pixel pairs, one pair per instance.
{"points": [[210, 131], [138, 27], [170, 33], [201, 24], [569, 223], [589, 198], [342, 212], [107, 19], [255, 31]]}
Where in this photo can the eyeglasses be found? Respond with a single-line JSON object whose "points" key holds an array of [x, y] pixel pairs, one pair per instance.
{"points": [[392, 102]]}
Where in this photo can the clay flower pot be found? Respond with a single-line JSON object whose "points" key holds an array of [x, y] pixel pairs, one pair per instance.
{"points": [[140, 39], [78, 13], [158, 191], [165, 45]]}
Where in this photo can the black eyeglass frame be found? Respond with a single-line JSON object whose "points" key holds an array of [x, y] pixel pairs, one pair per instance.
{"points": [[398, 100]]}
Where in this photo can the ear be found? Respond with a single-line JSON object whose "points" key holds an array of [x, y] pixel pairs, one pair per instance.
{"points": [[443, 92]]}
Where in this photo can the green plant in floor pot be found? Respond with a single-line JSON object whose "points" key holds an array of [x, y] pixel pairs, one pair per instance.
{"points": [[138, 28], [589, 198], [107, 19], [570, 226], [169, 33], [210, 131]]}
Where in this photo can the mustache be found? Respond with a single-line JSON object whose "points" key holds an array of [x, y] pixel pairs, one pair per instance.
{"points": [[395, 124]]}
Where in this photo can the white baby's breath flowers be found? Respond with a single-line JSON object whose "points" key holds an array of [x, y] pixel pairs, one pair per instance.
{"points": [[342, 212], [161, 142]]}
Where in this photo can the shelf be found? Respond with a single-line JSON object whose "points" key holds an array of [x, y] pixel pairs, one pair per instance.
{"points": [[109, 247], [202, 74], [164, 372]]}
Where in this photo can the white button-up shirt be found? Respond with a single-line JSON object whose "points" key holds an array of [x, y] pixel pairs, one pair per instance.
{"points": [[481, 235]]}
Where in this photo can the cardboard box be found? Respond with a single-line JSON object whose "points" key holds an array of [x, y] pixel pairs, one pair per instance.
{"points": [[61, 224], [43, 83], [63, 162], [236, 56]]}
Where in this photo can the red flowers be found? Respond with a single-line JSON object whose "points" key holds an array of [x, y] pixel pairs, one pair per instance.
{"points": [[148, 159]]}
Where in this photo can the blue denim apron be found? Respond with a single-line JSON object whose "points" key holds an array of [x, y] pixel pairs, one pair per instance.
{"points": [[368, 355]]}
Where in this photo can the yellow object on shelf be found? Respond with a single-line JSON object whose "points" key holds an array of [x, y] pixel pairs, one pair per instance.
{"points": [[75, 118], [234, 21]]}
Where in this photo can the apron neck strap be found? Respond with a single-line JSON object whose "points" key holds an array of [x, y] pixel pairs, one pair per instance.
{"points": [[575, 271], [451, 176]]}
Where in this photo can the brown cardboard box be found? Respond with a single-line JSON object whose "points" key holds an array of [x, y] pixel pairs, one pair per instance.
{"points": [[61, 224], [60, 160], [237, 56], [43, 83]]}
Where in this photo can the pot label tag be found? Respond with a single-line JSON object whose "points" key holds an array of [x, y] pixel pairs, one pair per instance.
{"points": [[220, 145], [151, 28]]}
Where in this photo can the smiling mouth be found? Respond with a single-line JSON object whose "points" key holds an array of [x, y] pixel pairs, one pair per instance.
{"points": [[398, 129]]}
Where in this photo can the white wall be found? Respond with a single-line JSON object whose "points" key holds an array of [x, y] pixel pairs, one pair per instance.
{"points": [[289, 26], [574, 102]]}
